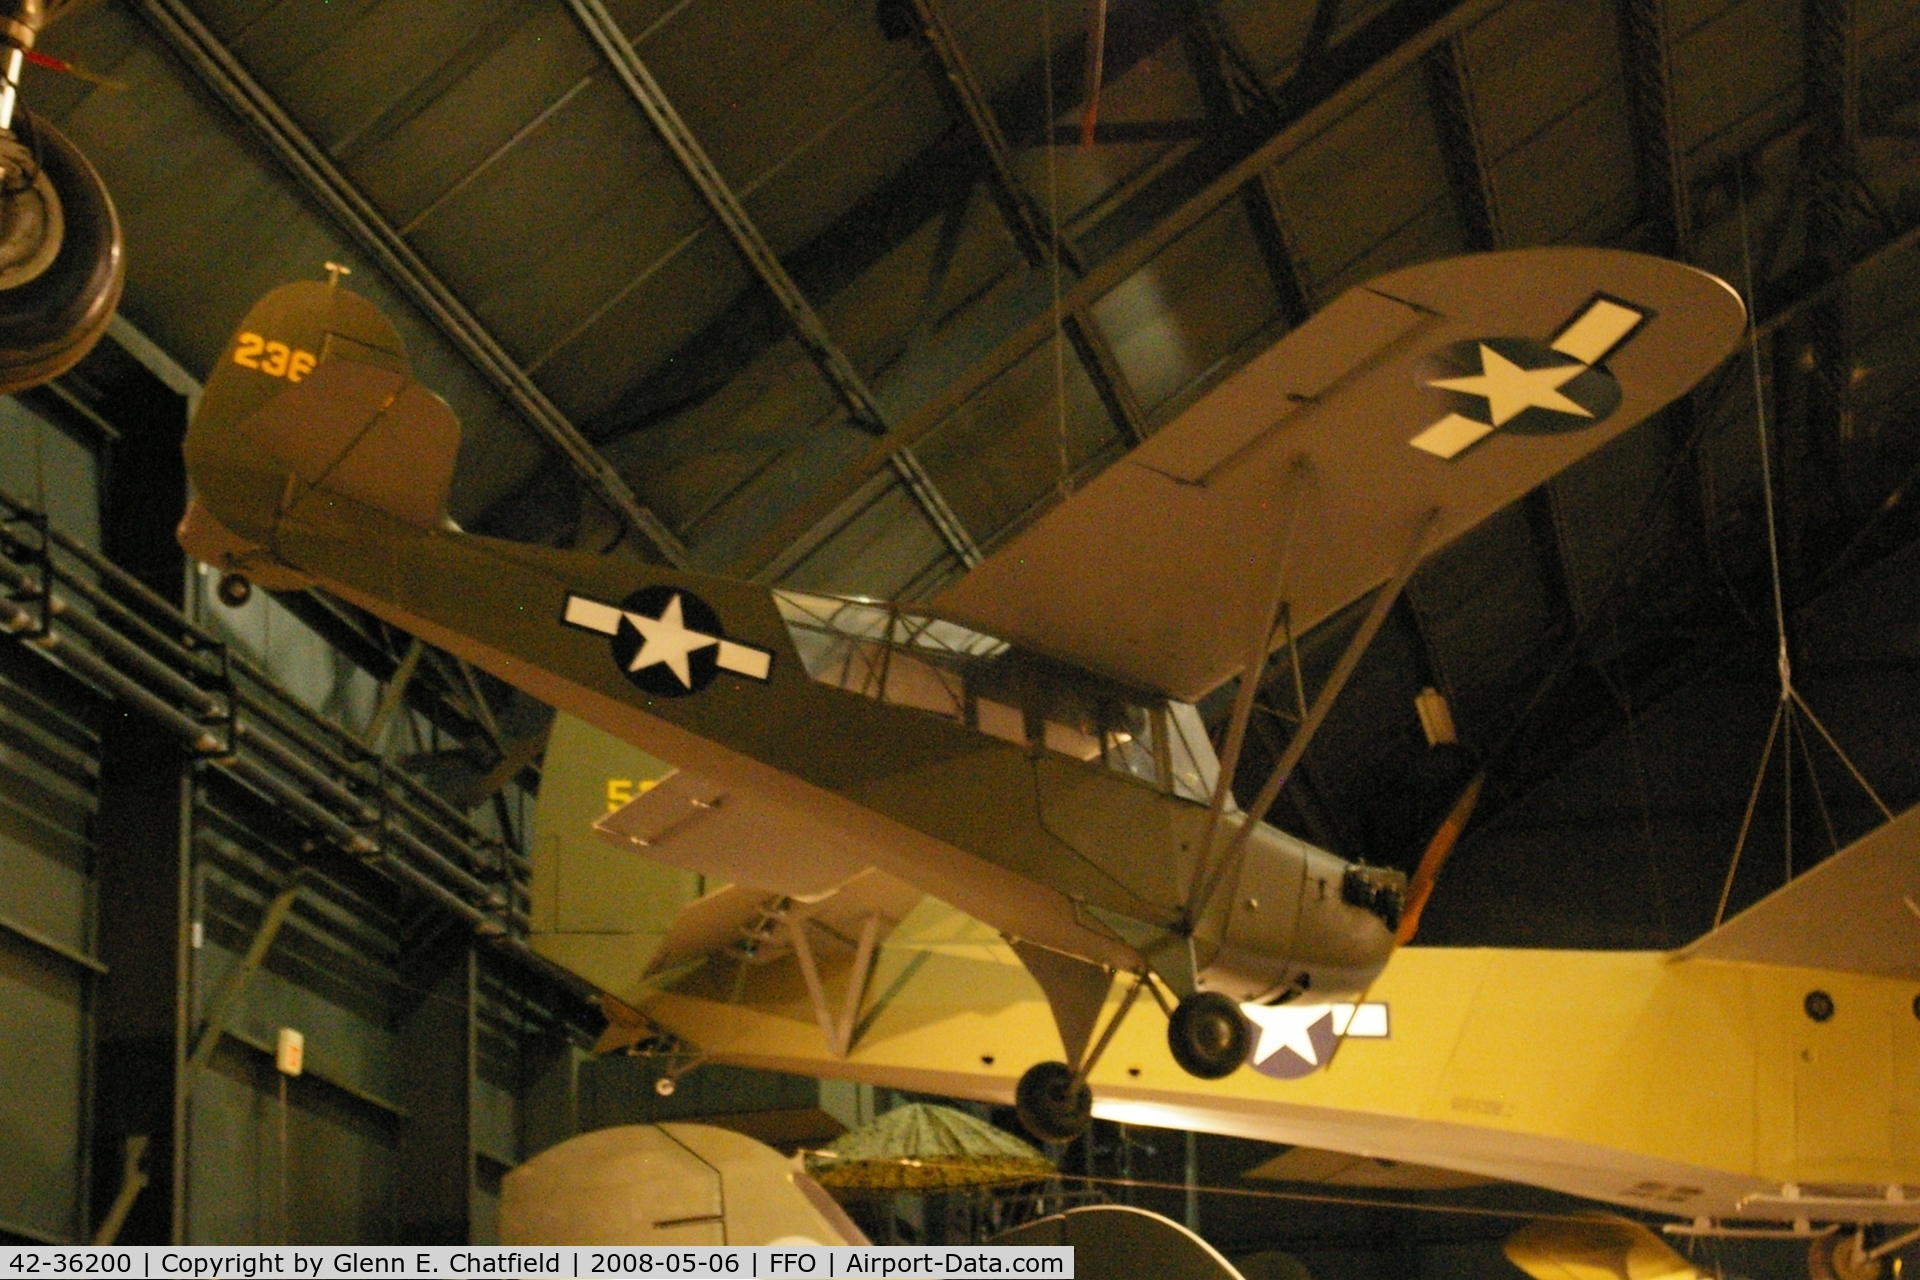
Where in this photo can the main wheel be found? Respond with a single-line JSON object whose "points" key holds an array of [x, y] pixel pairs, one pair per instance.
{"points": [[1049, 1106], [1832, 1257], [61, 263], [1208, 1035]]}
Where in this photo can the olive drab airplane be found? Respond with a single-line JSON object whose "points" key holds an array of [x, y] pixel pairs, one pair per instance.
{"points": [[1024, 746]]}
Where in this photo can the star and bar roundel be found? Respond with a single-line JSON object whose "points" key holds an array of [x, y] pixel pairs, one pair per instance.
{"points": [[1526, 386], [668, 642], [1295, 1040]]}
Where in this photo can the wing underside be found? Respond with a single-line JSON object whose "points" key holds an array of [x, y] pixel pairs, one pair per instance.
{"points": [[1344, 434]]}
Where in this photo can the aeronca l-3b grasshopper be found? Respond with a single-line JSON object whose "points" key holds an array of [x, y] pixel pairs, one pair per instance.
{"points": [[1024, 746]]}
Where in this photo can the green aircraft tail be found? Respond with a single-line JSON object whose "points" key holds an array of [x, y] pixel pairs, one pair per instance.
{"points": [[314, 398]]}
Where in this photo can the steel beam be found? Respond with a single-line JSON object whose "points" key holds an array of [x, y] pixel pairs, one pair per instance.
{"points": [[1647, 58], [308, 162], [1314, 100], [1232, 102], [1039, 241], [226, 999], [1469, 169], [1813, 489], [802, 320]]}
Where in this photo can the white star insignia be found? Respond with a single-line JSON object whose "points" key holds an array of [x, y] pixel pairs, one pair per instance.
{"points": [[1285, 1027], [667, 639], [1510, 390], [1289, 1026]]}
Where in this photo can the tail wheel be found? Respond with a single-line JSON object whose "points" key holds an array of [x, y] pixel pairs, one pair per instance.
{"points": [[61, 261], [1208, 1035], [1841, 1256], [1050, 1106], [234, 590]]}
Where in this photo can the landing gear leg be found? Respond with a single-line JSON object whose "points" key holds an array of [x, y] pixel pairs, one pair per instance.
{"points": [[1052, 1099], [1208, 1035], [1841, 1256]]}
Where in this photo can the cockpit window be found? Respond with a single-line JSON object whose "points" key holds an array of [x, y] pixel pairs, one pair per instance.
{"points": [[910, 660]]}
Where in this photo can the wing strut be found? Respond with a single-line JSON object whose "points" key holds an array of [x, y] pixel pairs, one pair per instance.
{"points": [[1265, 617], [1229, 859]]}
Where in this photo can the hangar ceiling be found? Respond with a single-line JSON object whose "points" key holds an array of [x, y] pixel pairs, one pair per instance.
{"points": [[774, 290]]}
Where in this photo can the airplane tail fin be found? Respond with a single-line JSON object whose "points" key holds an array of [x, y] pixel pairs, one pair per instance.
{"points": [[1857, 912], [313, 401]]}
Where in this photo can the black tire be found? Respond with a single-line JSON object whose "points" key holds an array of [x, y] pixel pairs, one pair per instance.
{"points": [[234, 590], [1208, 1035], [1048, 1105], [48, 323]]}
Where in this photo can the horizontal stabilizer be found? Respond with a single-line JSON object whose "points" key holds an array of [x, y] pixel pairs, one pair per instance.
{"points": [[729, 834], [1857, 912]]}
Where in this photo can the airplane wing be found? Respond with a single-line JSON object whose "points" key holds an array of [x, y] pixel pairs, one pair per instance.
{"points": [[1857, 912], [1457, 385]]}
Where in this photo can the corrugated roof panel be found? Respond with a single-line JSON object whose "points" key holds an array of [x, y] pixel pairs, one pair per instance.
{"points": [[636, 328], [546, 209], [877, 314], [1189, 311], [847, 158], [998, 458], [1362, 181], [1272, 34], [727, 528], [1611, 505], [688, 465], [1534, 61], [1431, 232], [1580, 167], [882, 547], [411, 163], [346, 76], [1736, 77], [756, 81], [1002, 41]]}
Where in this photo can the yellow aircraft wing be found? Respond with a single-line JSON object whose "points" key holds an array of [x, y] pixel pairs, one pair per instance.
{"points": [[1454, 386], [1859, 912]]}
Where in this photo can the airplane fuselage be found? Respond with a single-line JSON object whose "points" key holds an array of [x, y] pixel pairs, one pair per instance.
{"points": [[1061, 852]]}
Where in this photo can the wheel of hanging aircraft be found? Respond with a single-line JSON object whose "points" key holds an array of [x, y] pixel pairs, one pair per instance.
{"points": [[1049, 1105], [234, 590], [1840, 1257], [1208, 1035], [61, 263]]}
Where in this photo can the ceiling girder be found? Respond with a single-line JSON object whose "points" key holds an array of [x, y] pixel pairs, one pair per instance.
{"points": [[1646, 56], [803, 321], [1813, 484], [1213, 54], [356, 215], [1166, 209], [1469, 170], [1039, 238]]}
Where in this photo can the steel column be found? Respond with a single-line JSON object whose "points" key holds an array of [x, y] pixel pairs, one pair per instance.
{"points": [[310, 165]]}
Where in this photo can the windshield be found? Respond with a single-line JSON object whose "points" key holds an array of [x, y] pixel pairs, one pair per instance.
{"points": [[879, 651]]}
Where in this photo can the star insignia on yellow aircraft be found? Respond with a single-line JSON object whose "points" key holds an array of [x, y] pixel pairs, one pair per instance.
{"points": [[1526, 387], [667, 641], [1298, 1039]]}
